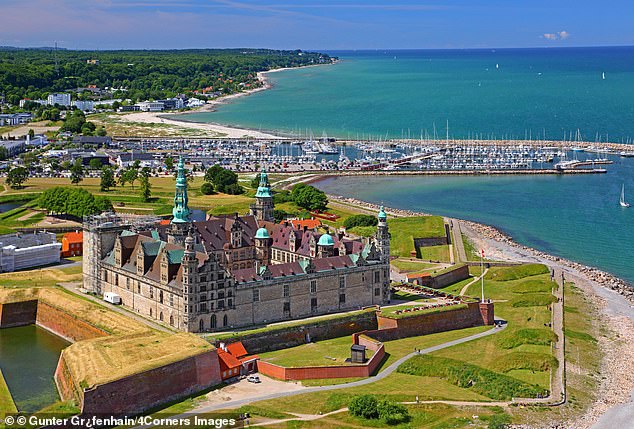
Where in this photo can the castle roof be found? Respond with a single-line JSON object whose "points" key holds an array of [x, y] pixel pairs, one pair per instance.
{"points": [[326, 240], [262, 233]]}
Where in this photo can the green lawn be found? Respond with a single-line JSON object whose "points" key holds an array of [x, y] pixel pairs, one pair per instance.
{"points": [[411, 265], [393, 312], [6, 401], [320, 353], [435, 253], [404, 230]]}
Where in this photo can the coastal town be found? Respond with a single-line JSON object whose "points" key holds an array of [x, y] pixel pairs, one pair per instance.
{"points": [[161, 272]]}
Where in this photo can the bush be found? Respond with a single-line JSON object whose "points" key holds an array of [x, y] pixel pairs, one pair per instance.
{"points": [[73, 201], [207, 189], [392, 413], [308, 197], [234, 189], [365, 406], [360, 220], [282, 197]]}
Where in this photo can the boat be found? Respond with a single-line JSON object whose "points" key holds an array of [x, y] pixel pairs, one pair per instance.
{"points": [[622, 200], [603, 75]]}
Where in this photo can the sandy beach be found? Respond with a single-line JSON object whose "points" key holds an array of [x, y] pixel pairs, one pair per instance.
{"points": [[216, 130], [614, 298]]}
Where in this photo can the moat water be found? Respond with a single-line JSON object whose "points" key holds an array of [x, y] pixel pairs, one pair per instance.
{"points": [[28, 358]]}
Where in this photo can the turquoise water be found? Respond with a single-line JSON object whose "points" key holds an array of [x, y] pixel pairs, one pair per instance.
{"points": [[533, 92], [28, 358], [576, 217]]}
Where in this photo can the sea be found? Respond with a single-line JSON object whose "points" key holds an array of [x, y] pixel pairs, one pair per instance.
{"points": [[553, 94]]}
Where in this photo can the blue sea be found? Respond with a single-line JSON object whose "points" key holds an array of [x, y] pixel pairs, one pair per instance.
{"points": [[506, 93]]}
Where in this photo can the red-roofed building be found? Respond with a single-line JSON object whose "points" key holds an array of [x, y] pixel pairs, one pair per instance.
{"points": [[304, 223], [72, 244], [249, 363], [235, 361], [229, 366]]}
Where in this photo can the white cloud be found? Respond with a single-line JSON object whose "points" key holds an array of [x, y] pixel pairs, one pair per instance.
{"points": [[560, 35]]}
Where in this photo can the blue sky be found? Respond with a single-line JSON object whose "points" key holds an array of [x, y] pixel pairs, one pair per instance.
{"points": [[320, 24]]}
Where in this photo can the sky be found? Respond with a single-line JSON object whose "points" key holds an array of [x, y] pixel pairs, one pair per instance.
{"points": [[315, 25]]}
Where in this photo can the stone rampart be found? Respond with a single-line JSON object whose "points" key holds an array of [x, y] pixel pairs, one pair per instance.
{"points": [[21, 313]]}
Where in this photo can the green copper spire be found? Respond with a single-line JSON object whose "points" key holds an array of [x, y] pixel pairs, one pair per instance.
{"points": [[264, 190], [382, 214], [181, 211]]}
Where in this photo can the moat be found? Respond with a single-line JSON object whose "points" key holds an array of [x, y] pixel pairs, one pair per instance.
{"points": [[28, 358]]}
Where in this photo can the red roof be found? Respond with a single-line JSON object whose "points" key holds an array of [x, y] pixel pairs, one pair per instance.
{"points": [[237, 349], [227, 360], [418, 275], [301, 223], [74, 237]]}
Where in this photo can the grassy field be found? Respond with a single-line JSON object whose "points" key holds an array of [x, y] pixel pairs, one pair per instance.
{"points": [[404, 230], [6, 401], [117, 126], [44, 277], [320, 353], [409, 265], [435, 253]]}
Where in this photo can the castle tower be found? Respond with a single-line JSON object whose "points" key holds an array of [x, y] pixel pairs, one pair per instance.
{"points": [[325, 246], [263, 247], [382, 237], [189, 265], [182, 216], [263, 207]]}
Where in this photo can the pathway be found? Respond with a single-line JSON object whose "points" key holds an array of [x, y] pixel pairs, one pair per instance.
{"points": [[466, 287], [380, 376], [75, 287], [457, 239]]}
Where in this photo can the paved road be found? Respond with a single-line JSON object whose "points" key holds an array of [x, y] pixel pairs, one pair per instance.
{"points": [[457, 239], [380, 376]]}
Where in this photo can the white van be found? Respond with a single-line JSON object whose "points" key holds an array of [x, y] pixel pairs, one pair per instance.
{"points": [[112, 298]]}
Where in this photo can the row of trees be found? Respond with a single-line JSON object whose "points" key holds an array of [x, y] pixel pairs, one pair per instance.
{"points": [[33, 73], [220, 179], [73, 201]]}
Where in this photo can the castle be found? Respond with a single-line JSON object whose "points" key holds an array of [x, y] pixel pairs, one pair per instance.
{"points": [[232, 271]]}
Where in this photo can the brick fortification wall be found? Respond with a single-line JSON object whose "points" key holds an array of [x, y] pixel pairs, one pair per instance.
{"points": [[18, 313], [431, 323], [65, 324], [297, 335], [450, 277], [140, 392], [334, 371]]}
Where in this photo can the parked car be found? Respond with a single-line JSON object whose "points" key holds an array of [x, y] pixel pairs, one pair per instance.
{"points": [[253, 379]]}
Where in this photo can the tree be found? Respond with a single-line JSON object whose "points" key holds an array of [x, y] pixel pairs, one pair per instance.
{"points": [[360, 220], [146, 186], [31, 133], [95, 164], [309, 197], [4, 153], [65, 165], [17, 176], [222, 179], [74, 121], [88, 128], [107, 178], [77, 172], [101, 132], [169, 164], [207, 188], [129, 175], [234, 189], [364, 406], [391, 412], [255, 182], [73, 201]]}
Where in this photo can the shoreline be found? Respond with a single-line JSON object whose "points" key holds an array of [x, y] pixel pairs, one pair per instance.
{"points": [[614, 300], [226, 131]]}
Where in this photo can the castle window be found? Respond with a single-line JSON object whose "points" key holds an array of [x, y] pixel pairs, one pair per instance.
{"points": [[211, 306], [161, 316], [203, 279], [256, 295], [172, 320], [224, 320], [377, 276], [105, 275], [213, 321], [229, 303], [201, 325], [342, 282], [203, 288], [377, 291], [127, 283], [171, 300], [221, 304], [342, 298], [151, 292], [138, 287], [116, 279], [203, 297], [203, 306], [229, 292], [313, 286], [313, 304], [287, 291], [221, 295], [287, 307], [221, 276], [161, 298]]}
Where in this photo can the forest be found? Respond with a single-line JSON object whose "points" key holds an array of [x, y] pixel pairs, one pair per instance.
{"points": [[139, 75]]}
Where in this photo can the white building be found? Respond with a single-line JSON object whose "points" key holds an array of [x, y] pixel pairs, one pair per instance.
{"points": [[194, 102], [61, 99], [86, 106], [26, 100], [19, 251], [151, 106]]}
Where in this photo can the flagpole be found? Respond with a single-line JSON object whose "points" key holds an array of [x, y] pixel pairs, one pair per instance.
{"points": [[482, 271]]}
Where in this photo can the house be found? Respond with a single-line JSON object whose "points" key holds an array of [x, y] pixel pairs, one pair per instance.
{"points": [[72, 244], [13, 147], [151, 106], [127, 159], [194, 102], [249, 363], [92, 61], [20, 251], [230, 366], [15, 118], [96, 141], [420, 279], [60, 99], [85, 106], [304, 223]]}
